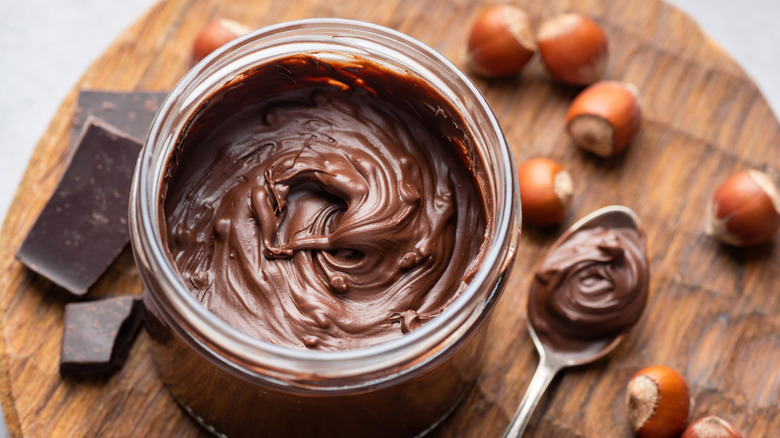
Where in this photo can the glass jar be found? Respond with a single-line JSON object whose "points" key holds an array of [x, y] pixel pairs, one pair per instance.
{"points": [[234, 384]]}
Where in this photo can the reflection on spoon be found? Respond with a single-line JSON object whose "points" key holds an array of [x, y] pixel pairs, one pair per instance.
{"points": [[591, 288]]}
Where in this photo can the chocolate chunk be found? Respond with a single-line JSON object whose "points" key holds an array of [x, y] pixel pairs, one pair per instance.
{"points": [[129, 111], [98, 335], [83, 227]]}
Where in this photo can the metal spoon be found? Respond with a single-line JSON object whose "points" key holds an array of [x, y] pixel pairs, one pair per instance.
{"points": [[552, 361]]}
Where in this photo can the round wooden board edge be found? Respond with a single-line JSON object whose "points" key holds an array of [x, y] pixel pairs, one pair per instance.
{"points": [[15, 228]]}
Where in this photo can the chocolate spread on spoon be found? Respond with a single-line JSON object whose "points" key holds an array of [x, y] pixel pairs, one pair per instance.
{"points": [[328, 205], [591, 287]]}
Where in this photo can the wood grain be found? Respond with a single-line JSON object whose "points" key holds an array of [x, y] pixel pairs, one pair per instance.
{"points": [[714, 312]]}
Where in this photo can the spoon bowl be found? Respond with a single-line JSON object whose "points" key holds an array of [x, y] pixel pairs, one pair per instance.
{"points": [[612, 216], [552, 360]]}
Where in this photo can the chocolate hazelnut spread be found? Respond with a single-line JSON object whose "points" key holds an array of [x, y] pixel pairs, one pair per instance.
{"points": [[325, 205], [591, 287]]}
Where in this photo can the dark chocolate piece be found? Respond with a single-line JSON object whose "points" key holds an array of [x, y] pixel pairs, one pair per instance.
{"points": [[98, 335], [129, 111], [83, 227]]}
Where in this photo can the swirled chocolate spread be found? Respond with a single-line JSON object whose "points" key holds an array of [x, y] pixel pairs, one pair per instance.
{"points": [[591, 287], [325, 204]]}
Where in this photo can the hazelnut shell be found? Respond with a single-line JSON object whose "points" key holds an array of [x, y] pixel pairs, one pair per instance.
{"points": [[545, 191], [501, 41], [745, 209], [711, 427], [216, 34], [658, 402], [574, 48], [604, 117]]}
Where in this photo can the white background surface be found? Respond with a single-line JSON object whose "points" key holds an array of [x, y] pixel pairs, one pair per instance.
{"points": [[46, 45]]}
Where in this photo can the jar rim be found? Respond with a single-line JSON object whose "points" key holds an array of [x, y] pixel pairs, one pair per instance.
{"points": [[148, 242]]}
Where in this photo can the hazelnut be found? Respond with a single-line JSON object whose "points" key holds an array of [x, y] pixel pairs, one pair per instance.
{"points": [[604, 117], [745, 209], [545, 191], [658, 403], [574, 48], [214, 35], [711, 427], [501, 41]]}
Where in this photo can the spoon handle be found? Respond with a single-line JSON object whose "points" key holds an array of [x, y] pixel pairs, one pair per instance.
{"points": [[539, 383]]}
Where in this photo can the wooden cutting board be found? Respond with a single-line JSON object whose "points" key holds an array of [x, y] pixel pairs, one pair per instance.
{"points": [[714, 311]]}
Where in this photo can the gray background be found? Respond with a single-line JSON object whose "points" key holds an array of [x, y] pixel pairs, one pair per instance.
{"points": [[46, 45]]}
